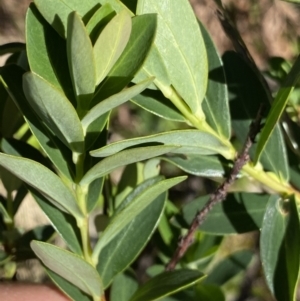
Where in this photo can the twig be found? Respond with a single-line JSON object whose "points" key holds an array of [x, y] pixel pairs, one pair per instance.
{"points": [[219, 195]]}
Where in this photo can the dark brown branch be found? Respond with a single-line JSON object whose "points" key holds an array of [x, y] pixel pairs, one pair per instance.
{"points": [[219, 195]]}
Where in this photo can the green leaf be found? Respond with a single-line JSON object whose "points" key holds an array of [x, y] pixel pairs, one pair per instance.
{"points": [[127, 244], [20, 148], [182, 48], [111, 43], [198, 165], [137, 191], [46, 52], [71, 267], [278, 107], [43, 180], [123, 287], [101, 17], [280, 247], [123, 158], [155, 103], [113, 101], [45, 100], [94, 194], [64, 224], [81, 60], [130, 212], [56, 12], [215, 104], [239, 213], [133, 56], [166, 284], [246, 95], [229, 267], [154, 65], [56, 151], [188, 142], [68, 288]]}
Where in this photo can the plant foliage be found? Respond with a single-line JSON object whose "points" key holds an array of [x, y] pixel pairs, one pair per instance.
{"points": [[86, 59]]}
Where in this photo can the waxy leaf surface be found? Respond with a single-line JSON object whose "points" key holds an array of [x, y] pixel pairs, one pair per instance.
{"points": [[71, 267], [180, 44], [111, 43]]}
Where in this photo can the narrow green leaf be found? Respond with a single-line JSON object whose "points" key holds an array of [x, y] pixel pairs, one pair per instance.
{"points": [[240, 213], [137, 191], [124, 158], [68, 288], [182, 48], [71, 267], [198, 165], [167, 284], [280, 247], [130, 240], [100, 18], [56, 151], [123, 287], [155, 103], [43, 46], [56, 12], [20, 148], [113, 101], [64, 224], [43, 180], [45, 100], [131, 211], [278, 107], [246, 95], [133, 56], [94, 193], [188, 142], [229, 267], [111, 43], [81, 60], [215, 104]]}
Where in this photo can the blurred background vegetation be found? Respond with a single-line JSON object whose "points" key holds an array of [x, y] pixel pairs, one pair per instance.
{"points": [[269, 28]]}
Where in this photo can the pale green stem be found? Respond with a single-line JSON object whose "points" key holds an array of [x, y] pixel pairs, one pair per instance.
{"points": [[266, 179], [261, 176], [197, 122], [81, 195]]}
